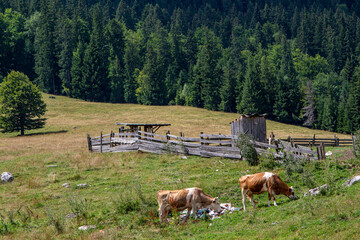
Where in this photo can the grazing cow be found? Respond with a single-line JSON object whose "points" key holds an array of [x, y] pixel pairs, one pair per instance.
{"points": [[264, 182], [189, 198]]}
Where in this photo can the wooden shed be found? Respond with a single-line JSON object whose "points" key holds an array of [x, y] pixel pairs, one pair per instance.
{"points": [[250, 124]]}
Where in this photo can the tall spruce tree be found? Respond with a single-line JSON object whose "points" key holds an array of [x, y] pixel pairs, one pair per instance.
{"points": [[287, 98], [354, 101], [252, 100], [96, 85], [46, 61], [206, 70], [116, 39]]}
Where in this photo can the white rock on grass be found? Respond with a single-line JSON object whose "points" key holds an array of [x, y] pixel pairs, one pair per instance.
{"points": [[7, 177], [352, 181], [67, 185], [83, 185], [87, 227], [316, 191]]}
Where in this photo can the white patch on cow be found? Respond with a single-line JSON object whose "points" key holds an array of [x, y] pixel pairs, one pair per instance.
{"points": [[267, 175], [190, 194], [264, 188]]}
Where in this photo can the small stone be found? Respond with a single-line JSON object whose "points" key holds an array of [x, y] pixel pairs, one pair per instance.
{"points": [[70, 215], [67, 185], [87, 227], [83, 185], [329, 153], [7, 177], [184, 157]]}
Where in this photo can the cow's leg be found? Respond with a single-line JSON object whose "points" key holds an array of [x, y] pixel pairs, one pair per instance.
{"points": [[251, 198], [163, 212], [269, 198], [243, 192], [273, 195], [187, 216]]}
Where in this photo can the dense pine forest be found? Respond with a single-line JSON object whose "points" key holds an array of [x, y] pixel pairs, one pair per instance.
{"points": [[296, 60]]}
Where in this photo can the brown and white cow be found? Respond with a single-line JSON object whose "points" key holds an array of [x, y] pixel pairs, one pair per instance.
{"points": [[264, 182], [188, 198]]}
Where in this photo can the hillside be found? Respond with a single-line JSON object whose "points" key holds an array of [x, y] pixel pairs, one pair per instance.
{"points": [[121, 197]]}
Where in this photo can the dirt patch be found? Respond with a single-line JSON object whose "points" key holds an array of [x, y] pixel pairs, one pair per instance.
{"points": [[346, 155]]}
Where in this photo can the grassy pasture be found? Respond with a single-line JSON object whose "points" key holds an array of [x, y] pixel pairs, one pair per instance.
{"points": [[121, 200]]}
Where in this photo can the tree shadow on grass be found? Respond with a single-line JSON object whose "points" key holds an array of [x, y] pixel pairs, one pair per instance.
{"points": [[44, 133]]}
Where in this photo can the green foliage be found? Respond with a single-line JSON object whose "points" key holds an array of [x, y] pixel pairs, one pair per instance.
{"points": [[21, 104], [191, 53], [356, 147], [247, 149]]}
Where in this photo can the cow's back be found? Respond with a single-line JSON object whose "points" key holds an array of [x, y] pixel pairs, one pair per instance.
{"points": [[255, 183]]}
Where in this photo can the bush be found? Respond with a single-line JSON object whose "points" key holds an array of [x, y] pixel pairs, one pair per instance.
{"points": [[247, 149]]}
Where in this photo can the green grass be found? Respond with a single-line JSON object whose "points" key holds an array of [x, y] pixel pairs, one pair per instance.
{"points": [[121, 200]]}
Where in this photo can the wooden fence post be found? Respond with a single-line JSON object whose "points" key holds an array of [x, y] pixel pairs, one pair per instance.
{"points": [[167, 135], [89, 142], [111, 135], [101, 140], [322, 147], [337, 141], [313, 141]]}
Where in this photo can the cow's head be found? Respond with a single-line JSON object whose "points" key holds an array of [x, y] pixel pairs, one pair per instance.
{"points": [[291, 193], [215, 205]]}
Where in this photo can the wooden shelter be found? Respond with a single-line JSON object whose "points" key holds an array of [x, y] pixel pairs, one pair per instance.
{"points": [[146, 127], [250, 124]]}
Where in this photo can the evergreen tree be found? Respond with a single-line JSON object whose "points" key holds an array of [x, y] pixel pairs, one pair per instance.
{"points": [[46, 61], [354, 101], [287, 98], [133, 60], [116, 39], [228, 88], [96, 85], [152, 90], [252, 100], [77, 70], [206, 71], [21, 104]]}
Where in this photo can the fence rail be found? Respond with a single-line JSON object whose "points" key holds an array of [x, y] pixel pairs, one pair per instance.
{"points": [[314, 141], [207, 145]]}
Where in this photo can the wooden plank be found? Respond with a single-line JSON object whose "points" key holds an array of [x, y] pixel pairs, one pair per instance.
{"points": [[189, 139], [216, 137], [151, 134], [125, 134], [261, 144], [216, 142], [213, 147], [214, 154], [152, 139]]}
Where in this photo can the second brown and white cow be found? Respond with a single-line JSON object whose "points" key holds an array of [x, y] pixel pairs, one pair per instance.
{"points": [[188, 198], [264, 182]]}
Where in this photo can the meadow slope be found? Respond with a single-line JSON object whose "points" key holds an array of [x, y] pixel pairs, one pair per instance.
{"points": [[121, 201]]}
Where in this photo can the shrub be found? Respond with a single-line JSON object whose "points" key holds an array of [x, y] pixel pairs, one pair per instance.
{"points": [[247, 149]]}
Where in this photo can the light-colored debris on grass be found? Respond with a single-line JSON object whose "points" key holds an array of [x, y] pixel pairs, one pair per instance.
{"points": [[7, 177], [87, 227], [316, 191], [352, 181]]}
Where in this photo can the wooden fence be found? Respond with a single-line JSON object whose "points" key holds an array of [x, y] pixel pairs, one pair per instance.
{"points": [[207, 145], [312, 142]]}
